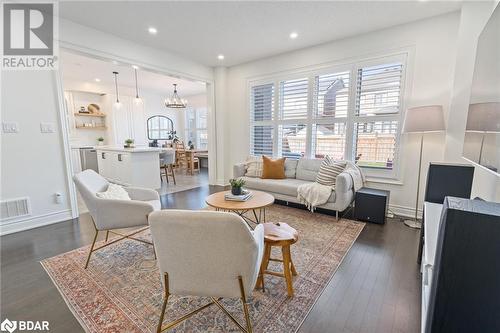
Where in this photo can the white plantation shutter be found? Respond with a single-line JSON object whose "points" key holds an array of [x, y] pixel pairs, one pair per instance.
{"points": [[332, 95], [351, 111], [293, 140], [378, 95], [375, 143], [293, 99], [261, 140], [262, 102], [261, 114], [378, 89], [329, 140]]}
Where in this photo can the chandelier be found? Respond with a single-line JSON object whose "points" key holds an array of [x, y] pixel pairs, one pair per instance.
{"points": [[175, 101]]}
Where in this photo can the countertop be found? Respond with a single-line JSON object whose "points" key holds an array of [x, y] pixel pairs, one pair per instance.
{"points": [[140, 149]]}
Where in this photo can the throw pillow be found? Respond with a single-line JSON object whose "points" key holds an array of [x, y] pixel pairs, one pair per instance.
{"points": [[329, 170], [254, 166], [115, 192], [273, 169]]}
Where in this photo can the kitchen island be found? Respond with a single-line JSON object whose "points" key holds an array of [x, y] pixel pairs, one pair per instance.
{"points": [[138, 166]]}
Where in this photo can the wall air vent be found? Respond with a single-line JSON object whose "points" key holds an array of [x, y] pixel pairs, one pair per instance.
{"points": [[14, 208]]}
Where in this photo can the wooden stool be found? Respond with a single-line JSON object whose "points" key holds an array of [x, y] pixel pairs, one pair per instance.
{"points": [[278, 234]]}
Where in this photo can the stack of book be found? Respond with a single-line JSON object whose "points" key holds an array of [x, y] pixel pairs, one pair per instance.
{"points": [[244, 196]]}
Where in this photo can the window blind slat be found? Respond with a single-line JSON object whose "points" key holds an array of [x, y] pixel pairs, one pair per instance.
{"points": [[293, 99]]}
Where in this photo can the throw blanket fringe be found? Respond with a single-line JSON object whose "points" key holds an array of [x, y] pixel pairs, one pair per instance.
{"points": [[313, 194]]}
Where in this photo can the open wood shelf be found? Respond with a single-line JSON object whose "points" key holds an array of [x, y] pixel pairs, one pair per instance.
{"points": [[101, 115], [92, 127]]}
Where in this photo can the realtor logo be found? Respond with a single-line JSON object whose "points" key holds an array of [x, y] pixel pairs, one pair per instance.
{"points": [[29, 31], [8, 326]]}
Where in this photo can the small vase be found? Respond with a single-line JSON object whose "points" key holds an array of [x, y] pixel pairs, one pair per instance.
{"points": [[100, 143], [236, 190]]}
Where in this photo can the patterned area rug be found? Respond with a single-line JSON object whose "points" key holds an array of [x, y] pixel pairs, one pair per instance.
{"points": [[121, 290]]}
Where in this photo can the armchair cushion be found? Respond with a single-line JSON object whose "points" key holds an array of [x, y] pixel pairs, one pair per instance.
{"points": [[114, 191]]}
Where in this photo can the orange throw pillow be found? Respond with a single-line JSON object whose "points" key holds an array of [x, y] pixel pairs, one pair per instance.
{"points": [[273, 169]]}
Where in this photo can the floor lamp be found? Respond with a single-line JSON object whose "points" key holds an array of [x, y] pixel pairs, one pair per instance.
{"points": [[483, 118], [422, 119]]}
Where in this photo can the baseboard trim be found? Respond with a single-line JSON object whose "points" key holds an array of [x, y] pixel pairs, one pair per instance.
{"points": [[404, 211], [35, 222]]}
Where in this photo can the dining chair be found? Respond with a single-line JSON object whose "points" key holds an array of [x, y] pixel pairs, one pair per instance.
{"points": [[167, 160], [180, 154], [206, 254], [110, 214]]}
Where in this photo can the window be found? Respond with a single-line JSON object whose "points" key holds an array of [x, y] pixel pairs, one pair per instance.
{"points": [[350, 113], [376, 119], [262, 106], [196, 128]]}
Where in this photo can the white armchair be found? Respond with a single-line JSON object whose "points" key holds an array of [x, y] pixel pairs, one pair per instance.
{"points": [[204, 253], [109, 214]]}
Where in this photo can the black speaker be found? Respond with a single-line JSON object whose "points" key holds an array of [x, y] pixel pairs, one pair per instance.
{"points": [[453, 180], [465, 288], [371, 205]]}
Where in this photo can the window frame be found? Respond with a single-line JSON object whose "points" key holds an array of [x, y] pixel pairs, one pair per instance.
{"points": [[195, 132], [403, 56]]}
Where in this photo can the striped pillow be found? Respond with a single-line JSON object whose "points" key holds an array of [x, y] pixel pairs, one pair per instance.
{"points": [[329, 170]]}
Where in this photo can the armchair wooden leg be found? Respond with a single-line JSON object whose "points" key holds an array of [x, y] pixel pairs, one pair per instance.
{"points": [[107, 235], [91, 248], [245, 307]]}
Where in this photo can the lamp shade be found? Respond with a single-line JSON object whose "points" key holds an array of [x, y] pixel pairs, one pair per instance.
{"points": [[484, 117], [424, 119]]}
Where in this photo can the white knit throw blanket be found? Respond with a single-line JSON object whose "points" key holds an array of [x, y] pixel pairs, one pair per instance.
{"points": [[313, 194]]}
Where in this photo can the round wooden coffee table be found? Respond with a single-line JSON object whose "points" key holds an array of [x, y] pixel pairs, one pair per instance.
{"points": [[259, 201]]}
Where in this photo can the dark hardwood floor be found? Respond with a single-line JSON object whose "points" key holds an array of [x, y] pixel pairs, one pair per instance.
{"points": [[376, 288]]}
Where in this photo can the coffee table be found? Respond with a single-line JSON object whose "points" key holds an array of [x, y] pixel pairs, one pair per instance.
{"points": [[259, 201]]}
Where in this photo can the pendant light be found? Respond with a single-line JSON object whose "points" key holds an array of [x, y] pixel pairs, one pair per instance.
{"points": [[117, 104], [175, 102], [137, 98]]}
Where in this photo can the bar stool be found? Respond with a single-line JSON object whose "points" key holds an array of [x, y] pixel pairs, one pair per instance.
{"points": [[282, 235], [167, 160]]}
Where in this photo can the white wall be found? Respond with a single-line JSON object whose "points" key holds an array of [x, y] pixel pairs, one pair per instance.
{"points": [[433, 44], [33, 164], [474, 17]]}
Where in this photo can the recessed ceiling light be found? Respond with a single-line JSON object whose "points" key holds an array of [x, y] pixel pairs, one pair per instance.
{"points": [[135, 67], [152, 30], [220, 57], [294, 35], [97, 79]]}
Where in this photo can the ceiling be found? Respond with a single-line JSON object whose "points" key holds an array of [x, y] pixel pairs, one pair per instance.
{"points": [[83, 69], [244, 30]]}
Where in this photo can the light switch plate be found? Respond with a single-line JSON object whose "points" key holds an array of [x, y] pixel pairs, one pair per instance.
{"points": [[47, 128], [10, 127]]}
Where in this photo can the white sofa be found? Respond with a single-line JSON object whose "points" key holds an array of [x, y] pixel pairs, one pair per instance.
{"points": [[299, 172]]}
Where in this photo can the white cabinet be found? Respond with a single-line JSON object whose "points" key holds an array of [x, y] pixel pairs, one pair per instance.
{"points": [[128, 122], [130, 167]]}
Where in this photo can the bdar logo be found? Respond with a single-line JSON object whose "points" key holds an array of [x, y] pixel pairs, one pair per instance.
{"points": [[8, 326]]}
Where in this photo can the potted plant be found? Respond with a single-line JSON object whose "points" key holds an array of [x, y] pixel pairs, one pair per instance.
{"points": [[100, 141], [236, 185], [129, 143]]}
